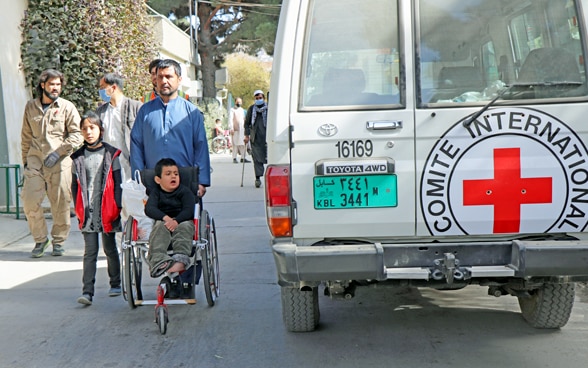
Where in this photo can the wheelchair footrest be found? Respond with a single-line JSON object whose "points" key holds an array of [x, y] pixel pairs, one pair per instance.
{"points": [[167, 301]]}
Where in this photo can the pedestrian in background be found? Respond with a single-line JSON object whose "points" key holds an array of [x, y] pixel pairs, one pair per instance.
{"points": [[96, 179], [148, 96], [50, 133], [255, 130], [218, 129], [118, 116], [237, 129]]}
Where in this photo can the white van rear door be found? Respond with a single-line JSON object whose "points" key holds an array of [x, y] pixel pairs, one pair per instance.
{"points": [[353, 170]]}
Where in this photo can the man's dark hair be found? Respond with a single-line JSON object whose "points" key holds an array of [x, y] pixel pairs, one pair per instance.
{"points": [[166, 63], [112, 78], [164, 162], [49, 74], [153, 64]]}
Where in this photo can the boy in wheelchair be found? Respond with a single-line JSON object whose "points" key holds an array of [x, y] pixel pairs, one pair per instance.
{"points": [[171, 205]]}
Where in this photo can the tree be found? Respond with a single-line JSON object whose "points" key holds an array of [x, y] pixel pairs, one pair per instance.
{"points": [[224, 27], [85, 39], [246, 74]]}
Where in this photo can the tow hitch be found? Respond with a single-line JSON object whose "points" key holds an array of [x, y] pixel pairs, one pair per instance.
{"points": [[448, 268]]}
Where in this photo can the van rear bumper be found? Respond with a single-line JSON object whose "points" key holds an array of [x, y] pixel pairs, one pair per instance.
{"points": [[431, 261]]}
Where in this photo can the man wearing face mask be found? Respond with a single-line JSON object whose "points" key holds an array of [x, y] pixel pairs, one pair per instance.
{"points": [[50, 133], [237, 127], [255, 127], [118, 116]]}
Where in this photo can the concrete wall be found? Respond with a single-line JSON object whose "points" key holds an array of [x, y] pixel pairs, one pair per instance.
{"points": [[14, 92]]}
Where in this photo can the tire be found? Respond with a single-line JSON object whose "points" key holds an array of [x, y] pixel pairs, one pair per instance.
{"points": [[131, 268], [208, 274], [549, 306], [214, 260], [300, 309], [161, 319], [219, 145], [210, 258]]}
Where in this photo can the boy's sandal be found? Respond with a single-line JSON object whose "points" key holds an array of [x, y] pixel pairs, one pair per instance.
{"points": [[160, 268]]}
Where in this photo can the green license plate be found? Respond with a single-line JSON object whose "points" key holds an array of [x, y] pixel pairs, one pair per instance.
{"points": [[355, 191]]}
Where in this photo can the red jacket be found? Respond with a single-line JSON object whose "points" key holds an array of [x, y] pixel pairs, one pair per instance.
{"points": [[111, 190]]}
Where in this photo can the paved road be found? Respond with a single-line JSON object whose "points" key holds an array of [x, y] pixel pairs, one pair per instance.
{"points": [[41, 325]]}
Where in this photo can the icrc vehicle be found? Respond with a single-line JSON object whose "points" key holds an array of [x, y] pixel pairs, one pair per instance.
{"points": [[433, 143]]}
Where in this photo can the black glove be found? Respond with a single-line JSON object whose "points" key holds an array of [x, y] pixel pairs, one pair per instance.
{"points": [[51, 160]]}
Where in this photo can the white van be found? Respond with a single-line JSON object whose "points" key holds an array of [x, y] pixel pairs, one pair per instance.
{"points": [[437, 143]]}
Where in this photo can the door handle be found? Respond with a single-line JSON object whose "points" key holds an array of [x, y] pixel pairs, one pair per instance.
{"points": [[384, 125]]}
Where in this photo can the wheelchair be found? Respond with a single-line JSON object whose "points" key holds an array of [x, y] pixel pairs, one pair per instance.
{"points": [[172, 289], [221, 143]]}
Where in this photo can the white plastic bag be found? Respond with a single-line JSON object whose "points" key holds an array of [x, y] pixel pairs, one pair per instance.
{"points": [[134, 197]]}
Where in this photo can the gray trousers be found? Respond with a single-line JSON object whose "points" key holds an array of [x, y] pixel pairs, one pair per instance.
{"points": [[161, 238], [91, 257]]}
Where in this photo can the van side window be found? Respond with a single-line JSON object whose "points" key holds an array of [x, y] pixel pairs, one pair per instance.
{"points": [[469, 51], [348, 63]]}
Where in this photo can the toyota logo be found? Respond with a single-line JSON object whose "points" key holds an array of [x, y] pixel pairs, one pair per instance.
{"points": [[328, 130]]}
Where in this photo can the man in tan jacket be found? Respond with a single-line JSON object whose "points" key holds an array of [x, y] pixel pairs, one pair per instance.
{"points": [[50, 133]]}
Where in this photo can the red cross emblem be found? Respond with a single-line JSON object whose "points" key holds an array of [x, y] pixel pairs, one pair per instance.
{"points": [[507, 192]]}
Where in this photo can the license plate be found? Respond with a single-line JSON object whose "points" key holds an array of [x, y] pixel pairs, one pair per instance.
{"points": [[355, 191]]}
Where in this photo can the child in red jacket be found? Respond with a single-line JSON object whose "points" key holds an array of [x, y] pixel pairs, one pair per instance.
{"points": [[97, 198]]}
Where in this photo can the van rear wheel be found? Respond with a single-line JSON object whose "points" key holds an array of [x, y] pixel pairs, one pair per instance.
{"points": [[550, 306], [300, 309]]}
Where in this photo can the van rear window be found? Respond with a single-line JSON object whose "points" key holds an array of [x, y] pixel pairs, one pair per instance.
{"points": [[352, 58]]}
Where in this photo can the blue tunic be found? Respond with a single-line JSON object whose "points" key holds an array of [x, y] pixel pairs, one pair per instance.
{"points": [[175, 131]]}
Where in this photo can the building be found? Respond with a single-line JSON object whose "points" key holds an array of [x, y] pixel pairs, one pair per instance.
{"points": [[178, 45]]}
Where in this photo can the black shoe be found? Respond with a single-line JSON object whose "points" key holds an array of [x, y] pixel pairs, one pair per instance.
{"points": [[257, 183], [246, 160], [39, 249], [235, 161]]}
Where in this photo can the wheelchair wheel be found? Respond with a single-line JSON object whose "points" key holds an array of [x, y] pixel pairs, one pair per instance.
{"points": [[131, 267], [210, 269], [219, 145], [214, 259], [161, 319]]}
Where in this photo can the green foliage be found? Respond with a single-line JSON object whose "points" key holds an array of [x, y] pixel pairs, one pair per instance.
{"points": [[246, 74], [258, 30], [85, 39]]}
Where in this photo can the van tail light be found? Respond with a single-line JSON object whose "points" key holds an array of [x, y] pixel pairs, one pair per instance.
{"points": [[278, 200]]}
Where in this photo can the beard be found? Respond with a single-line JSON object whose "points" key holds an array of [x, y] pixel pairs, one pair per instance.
{"points": [[50, 96], [168, 92]]}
